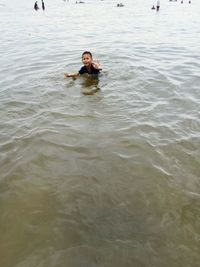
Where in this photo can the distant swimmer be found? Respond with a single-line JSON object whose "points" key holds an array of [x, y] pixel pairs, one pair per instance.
{"points": [[158, 5], [153, 7], [89, 66], [182, 2], [36, 6], [120, 5], [189, 2], [43, 6]]}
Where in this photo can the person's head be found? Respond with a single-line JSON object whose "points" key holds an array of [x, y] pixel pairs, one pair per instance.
{"points": [[87, 58]]}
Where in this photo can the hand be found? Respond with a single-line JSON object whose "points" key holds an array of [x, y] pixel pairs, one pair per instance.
{"points": [[67, 75], [73, 75], [96, 65]]}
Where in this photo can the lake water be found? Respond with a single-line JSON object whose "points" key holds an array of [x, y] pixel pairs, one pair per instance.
{"points": [[110, 179]]}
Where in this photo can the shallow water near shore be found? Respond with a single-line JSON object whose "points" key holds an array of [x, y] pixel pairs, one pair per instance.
{"points": [[104, 179]]}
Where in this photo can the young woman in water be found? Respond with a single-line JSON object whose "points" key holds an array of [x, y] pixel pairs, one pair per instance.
{"points": [[36, 6]]}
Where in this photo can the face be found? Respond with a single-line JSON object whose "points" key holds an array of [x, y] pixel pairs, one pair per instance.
{"points": [[87, 60]]}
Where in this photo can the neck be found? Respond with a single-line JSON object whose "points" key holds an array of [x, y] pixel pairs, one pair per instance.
{"points": [[89, 67]]}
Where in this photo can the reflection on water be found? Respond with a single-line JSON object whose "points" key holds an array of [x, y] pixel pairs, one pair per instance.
{"points": [[90, 84], [106, 180]]}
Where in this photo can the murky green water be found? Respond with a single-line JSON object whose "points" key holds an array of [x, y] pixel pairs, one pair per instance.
{"points": [[109, 179]]}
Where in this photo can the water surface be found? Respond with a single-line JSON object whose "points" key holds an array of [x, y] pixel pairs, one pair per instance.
{"points": [[109, 179]]}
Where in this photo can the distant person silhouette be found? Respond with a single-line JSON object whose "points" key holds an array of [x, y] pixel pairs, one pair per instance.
{"points": [[153, 7], [43, 6], [182, 2], [189, 2], [158, 5], [36, 6]]}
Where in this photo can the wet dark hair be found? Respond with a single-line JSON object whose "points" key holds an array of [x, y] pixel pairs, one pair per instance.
{"points": [[88, 53]]}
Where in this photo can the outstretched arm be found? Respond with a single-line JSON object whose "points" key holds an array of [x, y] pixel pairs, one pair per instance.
{"points": [[71, 75]]}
